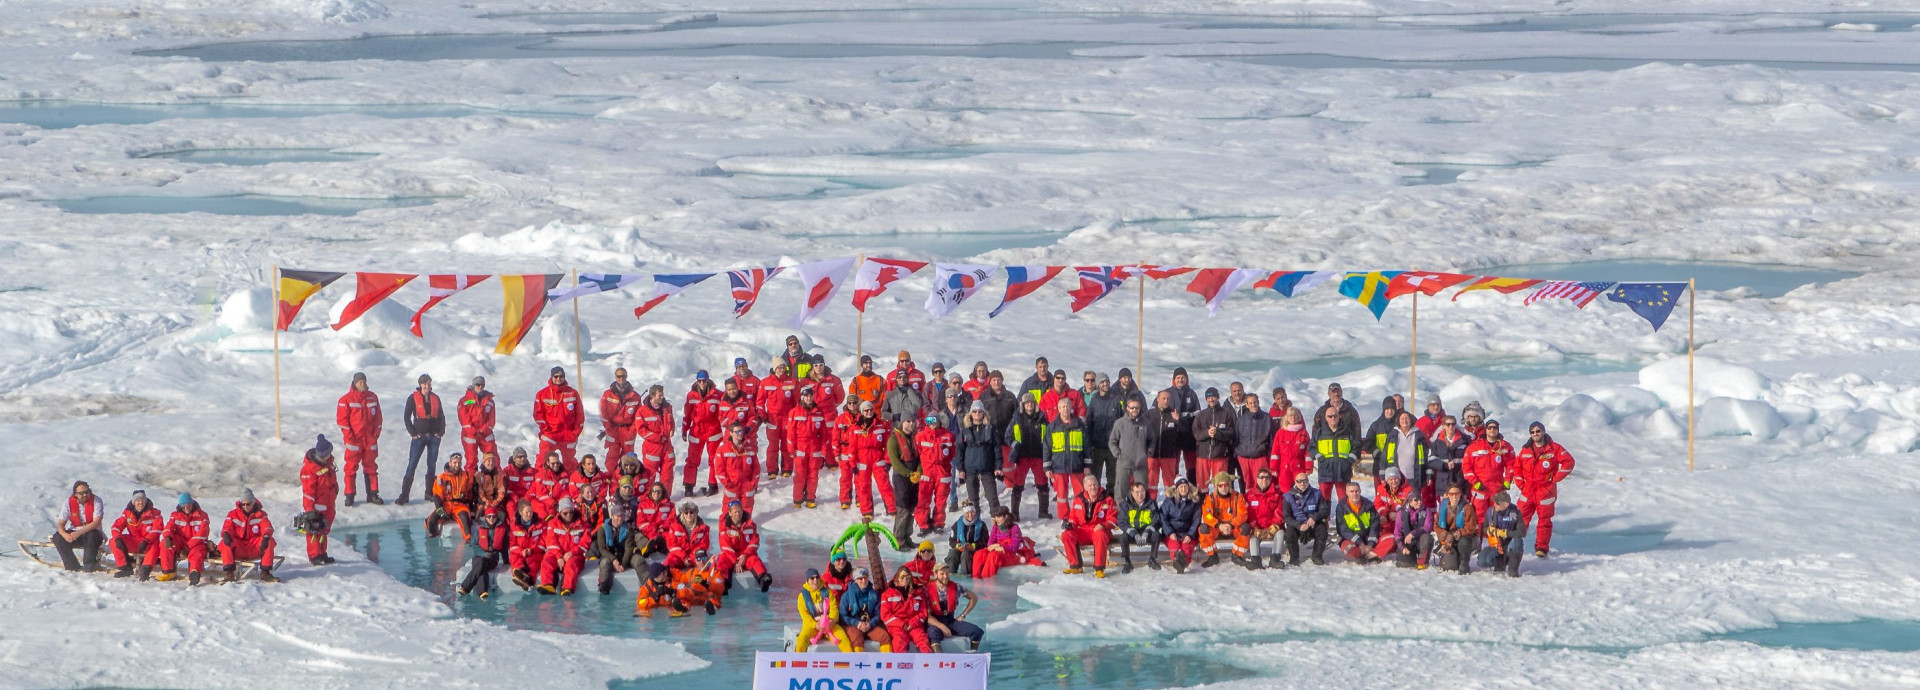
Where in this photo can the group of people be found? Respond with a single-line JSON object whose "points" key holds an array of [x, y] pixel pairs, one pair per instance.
{"points": [[141, 540]]}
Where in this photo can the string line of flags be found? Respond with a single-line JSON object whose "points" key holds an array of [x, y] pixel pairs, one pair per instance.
{"points": [[527, 295]]}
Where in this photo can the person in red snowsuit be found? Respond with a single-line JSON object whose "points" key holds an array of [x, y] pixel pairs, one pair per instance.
{"points": [[744, 378], [653, 432], [652, 516], [587, 487], [870, 432], [1539, 468], [476, 422], [136, 536], [247, 535], [1489, 462], [936, 475], [844, 437], [778, 394], [618, 407], [358, 416], [526, 532], [687, 536], [560, 416], [737, 406], [319, 488], [550, 484], [700, 427], [186, 536], [808, 429], [564, 549], [1290, 439], [740, 547], [738, 466], [904, 612], [1090, 520], [521, 477], [1264, 498], [829, 392]]}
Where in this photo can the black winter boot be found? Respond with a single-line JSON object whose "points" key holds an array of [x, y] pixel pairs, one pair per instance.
{"points": [[373, 498], [1013, 506], [1045, 496]]}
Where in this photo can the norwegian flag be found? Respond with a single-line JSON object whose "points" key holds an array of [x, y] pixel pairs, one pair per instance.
{"points": [[876, 274], [1096, 282], [440, 287], [747, 285], [1578, 292]]}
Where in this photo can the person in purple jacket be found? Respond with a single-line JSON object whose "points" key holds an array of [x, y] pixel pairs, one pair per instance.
{"points": [[1413, 534], [1005, 547]]}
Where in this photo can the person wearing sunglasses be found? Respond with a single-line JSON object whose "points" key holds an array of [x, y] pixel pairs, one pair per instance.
{"points": [[80, 529]]}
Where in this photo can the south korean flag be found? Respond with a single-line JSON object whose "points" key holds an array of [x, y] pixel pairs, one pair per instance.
{"points": [[954, 283]]}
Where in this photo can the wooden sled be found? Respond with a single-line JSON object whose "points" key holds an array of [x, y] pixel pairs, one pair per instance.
{"points": [[246, 567]]}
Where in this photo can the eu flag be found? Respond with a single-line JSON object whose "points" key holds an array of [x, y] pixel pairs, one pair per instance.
{"points": [[1652, 301]]}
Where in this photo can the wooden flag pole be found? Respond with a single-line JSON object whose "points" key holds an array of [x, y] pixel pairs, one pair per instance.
{"points": [[1690, 374], [275, 325], [860, 322], [578, 360], [1413, 364], [1140, 335]]}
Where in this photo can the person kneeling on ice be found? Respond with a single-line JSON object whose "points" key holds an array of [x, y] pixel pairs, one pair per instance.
{"points": [[1413, 533], [1359, 528], [1505, 531], [1005, 547], [1140, 525], [1089, 522], [186, 537], [740, 548], [860, 614], [658, 592], [525, 534], [136, 536], [698, 585], [564, 549], [968, 537], [453, 496], [490, 540], [944, 616], [904, 611], [618, 547], [1227, 517], [1456, 530], [319, 487], [247, 535], [818, 609]]}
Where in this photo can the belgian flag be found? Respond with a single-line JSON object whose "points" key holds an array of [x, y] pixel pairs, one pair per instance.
{"points": [[525, 297], [294, 289]]}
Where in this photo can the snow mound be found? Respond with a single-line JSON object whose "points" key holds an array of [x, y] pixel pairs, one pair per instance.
{"points": [[556, 338], [1625, 401], [1733, 417], [335, 11], [1468, 387], [1713, 378], [1579, 411], [570, 243], [246, 311]]}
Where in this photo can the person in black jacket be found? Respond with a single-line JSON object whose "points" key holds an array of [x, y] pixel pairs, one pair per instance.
{"points": [[1181, 512], [1104, 406], [619, 547], [1213, 436], [1446, 449], [1336, 400], [1165, 424], [1037, 383], [977, 457], [1304, 512], [1374, 442], [1253, 438], [489, 541], [1140, 523], [1026, 435], [426, 423], [1183, 400]]}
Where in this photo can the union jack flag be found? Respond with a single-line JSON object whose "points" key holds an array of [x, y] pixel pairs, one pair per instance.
{"points": [[1096, 282], [746, 287], [1578, 292]]}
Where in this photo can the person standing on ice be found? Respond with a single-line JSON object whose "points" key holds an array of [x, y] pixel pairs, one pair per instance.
{"points": [[903, 400], [186, 537], [977, 458], [1473, 418], [1337, 401], [1373, 443], [136, 535], [619, 405], [80, 528], [1105, 407], [426, 423], [247, 535], [1039, 382], [808, 429], [1166, 425], [1505, 533], [829, 392], [1538, 469], [935, 444], [903, 458], [1130, 439], [1446, 448], [1066, 457], [1062, 391], [1184, 401], [358, 416], [1488, 467], [1214, 434], [1431, 419], [653, 432], [798, 360], [319, 488], [737, 466], [558, 413], [1253, 439], [476, 422], [700, 427], [867, 385], [1335, 441], [779, 394]]}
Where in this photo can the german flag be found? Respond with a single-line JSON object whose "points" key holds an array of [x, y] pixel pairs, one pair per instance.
{"points": [[526, 297], [294, 289], [1504, 286]]}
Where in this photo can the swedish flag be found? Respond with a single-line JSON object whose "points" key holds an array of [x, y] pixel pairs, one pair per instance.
{"points": [[1369, 289], [1652, 301]]}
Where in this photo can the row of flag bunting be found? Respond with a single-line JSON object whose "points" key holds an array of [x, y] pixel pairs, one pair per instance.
{"points": [[526, 296]]}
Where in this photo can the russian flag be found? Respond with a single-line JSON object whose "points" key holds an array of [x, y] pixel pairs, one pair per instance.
{"points": [[1022, 281], [668, 285]]}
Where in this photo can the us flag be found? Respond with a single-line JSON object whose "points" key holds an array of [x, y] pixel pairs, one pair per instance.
{"points": [[1578, 292], [747, 285]]}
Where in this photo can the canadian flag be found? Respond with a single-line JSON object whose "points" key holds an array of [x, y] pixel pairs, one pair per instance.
{"points": [[876, 274], [823, 280]]}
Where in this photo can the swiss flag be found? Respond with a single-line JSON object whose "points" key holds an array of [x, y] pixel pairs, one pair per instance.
{"points": [[1427, 283]]}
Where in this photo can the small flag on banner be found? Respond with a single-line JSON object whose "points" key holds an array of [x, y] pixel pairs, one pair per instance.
{"points": [[842, 664], [525, 297], [1504, 286], [1096, 282], [1215, 284], [667, 285], [1652, 301], [1369, 289], [1578, 292], [1291, 283], [747, 285], [876, 274], [953, 284], [1023, 281], [592, 284], [822, 280], [1427, 283], [440, 287], [368, 290], [295, 288]]}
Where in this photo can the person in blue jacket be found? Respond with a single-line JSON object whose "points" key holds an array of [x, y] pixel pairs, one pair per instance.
{"points": [[967, 537], [1303, 511], [860, 613], [1505, 535], [1181, 511]]}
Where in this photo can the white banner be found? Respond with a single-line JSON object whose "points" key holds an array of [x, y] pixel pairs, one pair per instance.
{"points": [[835, 671]]}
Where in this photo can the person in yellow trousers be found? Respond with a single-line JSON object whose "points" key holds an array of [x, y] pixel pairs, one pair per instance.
{"points": [[817, 606]]}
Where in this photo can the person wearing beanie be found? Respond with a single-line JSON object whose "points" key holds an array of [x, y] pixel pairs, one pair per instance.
{"points": [[186, 536], [914, 379], [1253, 432], [1335, 448], [1505, 532], [867, 386], [1214, 433], [491, 538], [808, 437], [1374, 441], [1184, 445], [135, 537], [247, 535], [779, 394], [454, 495], [1430, 419], [839, 572], [1128, 387], [1337, 401], [657, 592], [358, 416], [475, 412], [701, 427], [426, 423], [564, 544], [319, 488], [819, 610], [619, 547], [1539, 468], [558, 413], [860, 614], [1225, 515], [737, 466], [966, 537], [619, 406], [1488, 467]]}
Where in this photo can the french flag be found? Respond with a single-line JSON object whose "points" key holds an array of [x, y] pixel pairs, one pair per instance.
{"points": [[668, 285], [1022, 281]]}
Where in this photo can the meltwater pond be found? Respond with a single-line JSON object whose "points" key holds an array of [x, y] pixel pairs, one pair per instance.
{"points": [[64, 114], [258, 156], [750, 621], [236, 205]]}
